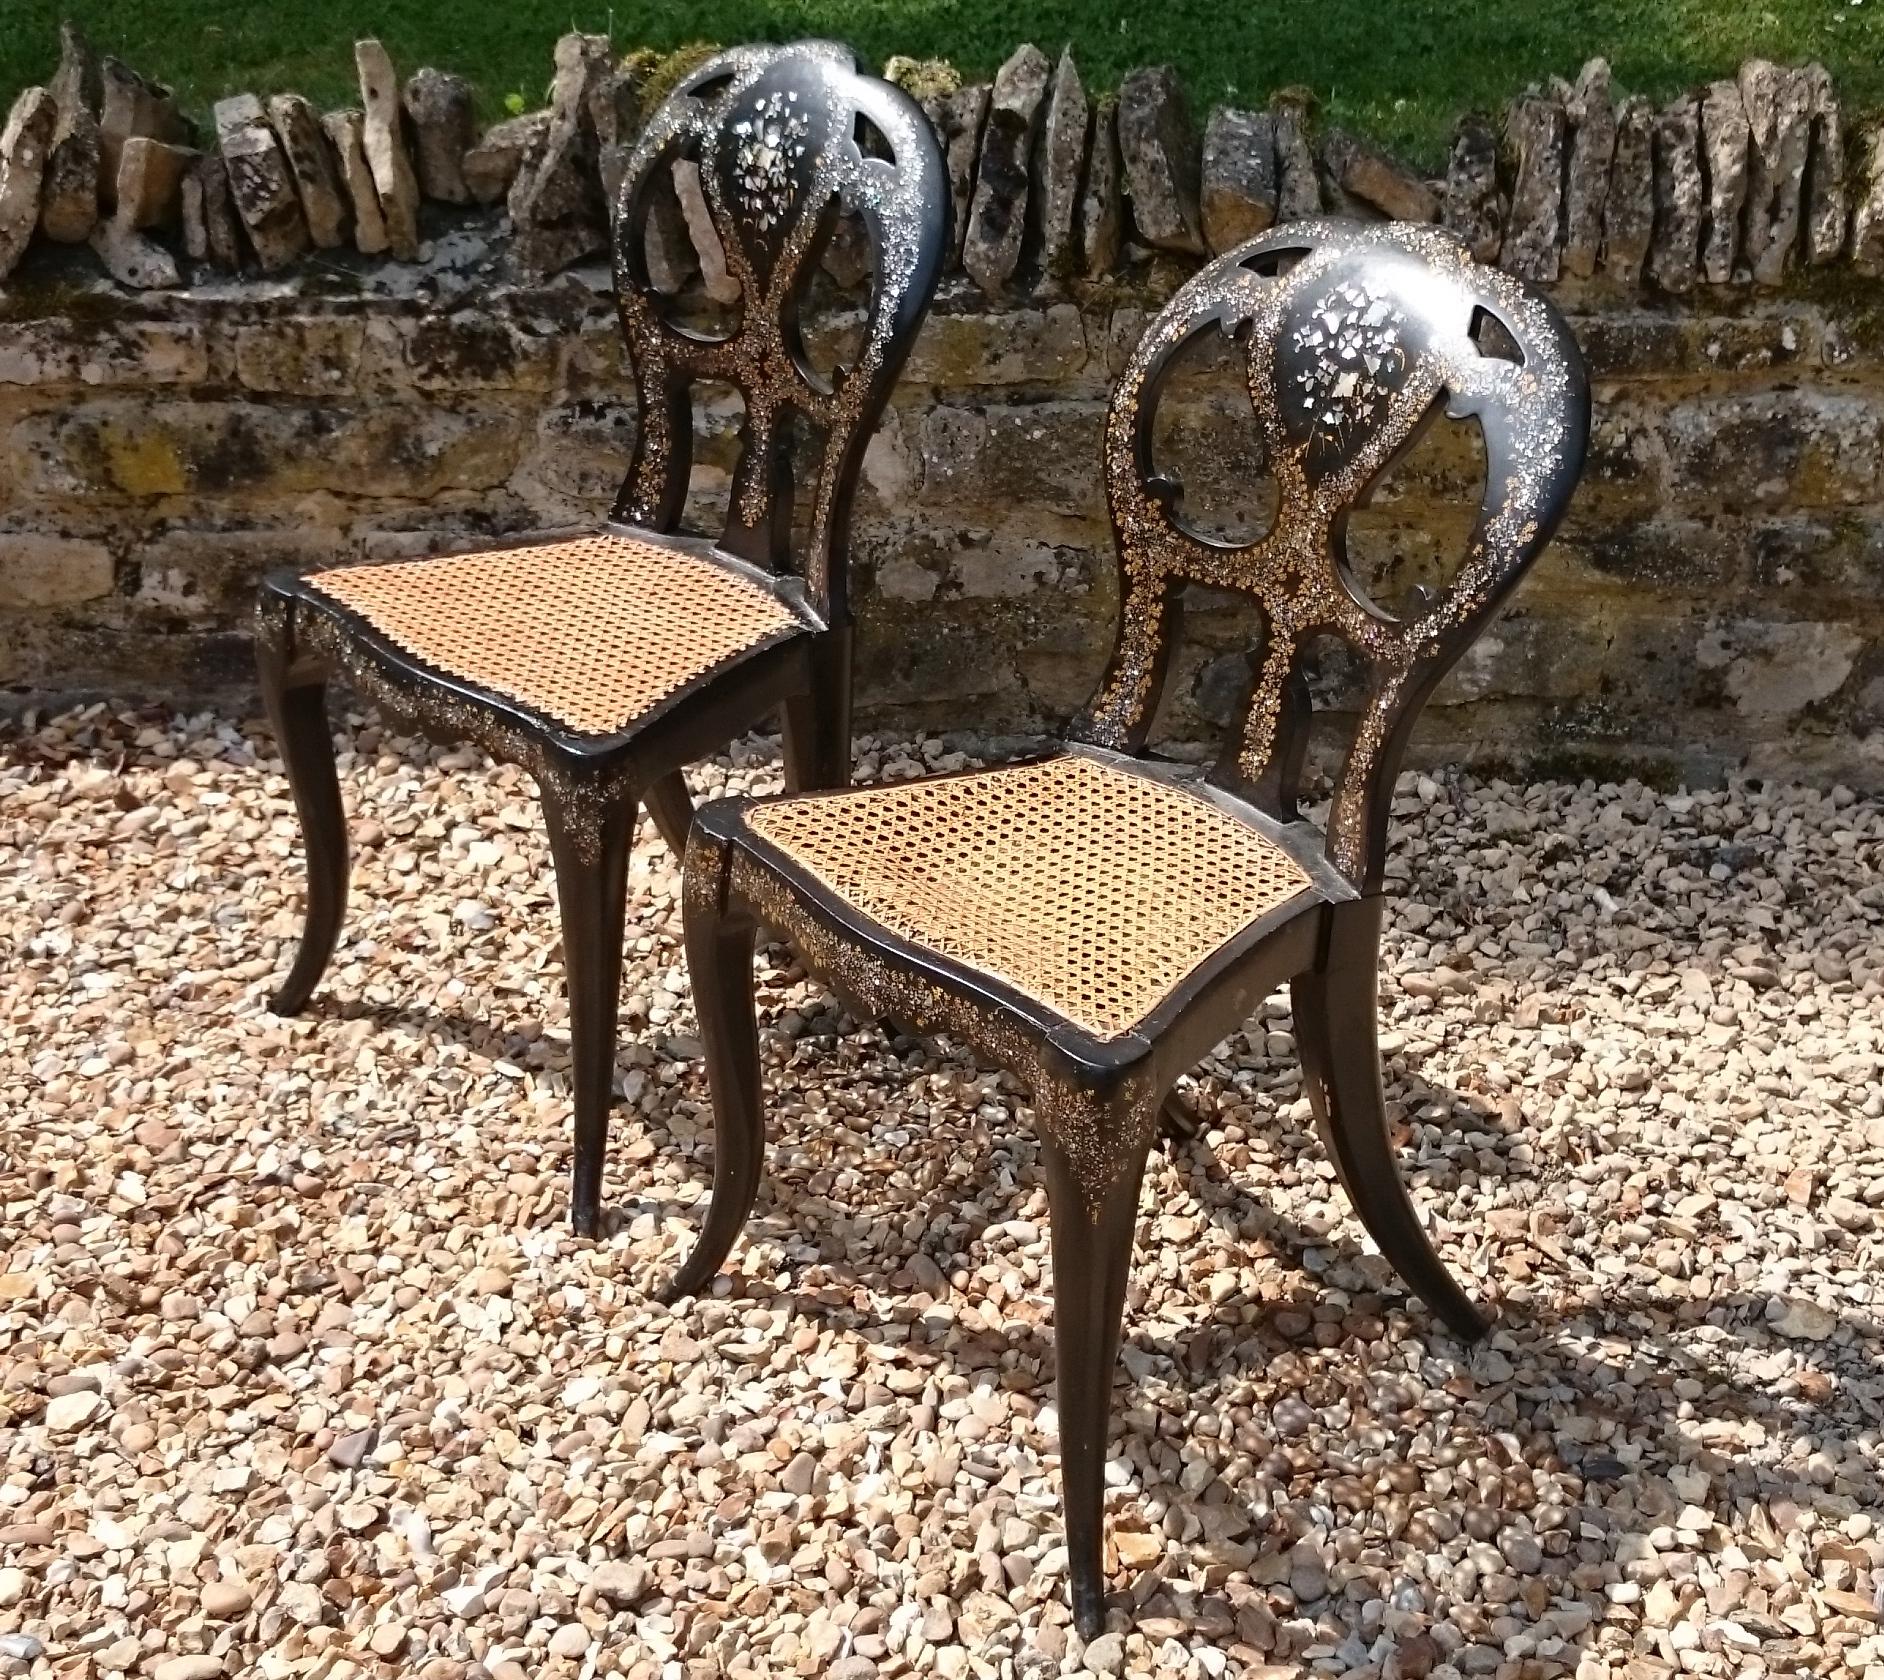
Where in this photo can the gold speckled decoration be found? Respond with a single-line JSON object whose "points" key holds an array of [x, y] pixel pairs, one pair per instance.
{"points": [[591, 633], [1348, 351], [777, 148], [1087, 886]]}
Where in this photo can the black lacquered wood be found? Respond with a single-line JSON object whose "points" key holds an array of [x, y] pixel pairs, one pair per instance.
{"points": [[1099, 1101], [773, 201]]}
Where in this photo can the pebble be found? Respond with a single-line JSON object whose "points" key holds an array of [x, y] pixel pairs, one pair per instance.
{"points": [[303, 1294]]}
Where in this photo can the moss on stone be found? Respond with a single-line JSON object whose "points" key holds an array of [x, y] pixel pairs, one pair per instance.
{"points": [[922, 78], [668, 71]]}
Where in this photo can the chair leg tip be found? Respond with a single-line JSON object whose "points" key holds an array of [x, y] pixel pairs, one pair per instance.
{"points": [[1089, 1613], [586, 1222], [290, 1000]]}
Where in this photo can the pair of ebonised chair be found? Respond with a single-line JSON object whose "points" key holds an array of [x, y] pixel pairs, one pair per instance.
{"points": [[1096, 919]]}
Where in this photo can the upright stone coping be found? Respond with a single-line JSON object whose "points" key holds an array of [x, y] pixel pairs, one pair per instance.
{"points": [[1239, 192], [383, 139], [1158, 146], [997, 214]]}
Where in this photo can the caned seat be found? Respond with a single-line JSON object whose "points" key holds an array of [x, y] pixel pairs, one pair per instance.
{"points": [[1088, 886], [591, 634]]}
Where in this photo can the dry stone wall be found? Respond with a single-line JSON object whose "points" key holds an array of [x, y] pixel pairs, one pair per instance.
{"points": [[419, 351]]}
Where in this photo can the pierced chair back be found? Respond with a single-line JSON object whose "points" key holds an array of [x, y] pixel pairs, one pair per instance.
{"points": [[1356, 336], [786, 141]]}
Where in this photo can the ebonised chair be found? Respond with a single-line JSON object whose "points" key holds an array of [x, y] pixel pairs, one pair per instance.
{"points": [[1097, 920], [605, 664]]}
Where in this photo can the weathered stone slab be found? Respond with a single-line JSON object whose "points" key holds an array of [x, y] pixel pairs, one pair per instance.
{"points": [[997, 216], [386, 156], [1474, 208], [68, 208], [1239, 176], [720, 286], [1298, 183], [668, 246], [1674, 260], [1159, 147], [260, 182], [346, 133], [1867, 214], [1725, 138], [210, 228], [556, 202], [1825, 211], [1102, 202], [1591, 109], [311, 163], [958, 118], [1535, 129], [1629, 214], [131, 258], [444, 127], [614, 111], [131, 105], [1060, 167], [1779, 113], [150, 182], [24, 144], [1371, 175], [37, 570], [490, 167]]}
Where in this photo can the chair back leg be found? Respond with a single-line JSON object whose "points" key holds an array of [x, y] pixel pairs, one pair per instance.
{"points": [[590, 839], [817, 723], [1336, 1015], [298, 712]]}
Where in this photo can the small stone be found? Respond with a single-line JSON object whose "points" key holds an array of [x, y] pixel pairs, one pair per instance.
{"points": [[556, 202], [1102, 201], [223, 1601], [69, 195], [260, 185], [68, 1413], [1371, 175], [384, 141], [389, 1640], [349, 1451], [197, 1667], [1805, 1321], [997, 216], [24, 143], [22, 1647], [570, 1640], [1629, 214], [1298, 182], [490, 166], [132, 259], [1158, 146], [12, 1587], [1591, 111], [622, 1585], [1239, 192], [346, 133], [958, 118], [1474, 208], [1104, 1655], [210, 229], [489, 1281], [444, 126], [1725, 137], [1825, 213], [1535, 130], [150, 183], [717, 280], [130, 106], [1059, 168], [1674, 261], [1779, 115], [315, 170]]}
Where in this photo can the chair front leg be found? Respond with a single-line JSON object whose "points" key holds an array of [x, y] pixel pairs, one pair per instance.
{"points": [[1092, 1226], [720, 938], [590, 837], [817, 722], [297, 709], [1336, 1018]]}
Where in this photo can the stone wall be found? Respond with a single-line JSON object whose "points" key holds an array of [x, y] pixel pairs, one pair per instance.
{"points": [[1713, 601]]}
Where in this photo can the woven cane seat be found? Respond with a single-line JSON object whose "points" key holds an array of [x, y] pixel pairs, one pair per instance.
{"points": [[1083, 885], [591, 634]]}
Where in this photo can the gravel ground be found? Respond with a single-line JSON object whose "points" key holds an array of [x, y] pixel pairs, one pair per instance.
{"points": [[301, 1373]]}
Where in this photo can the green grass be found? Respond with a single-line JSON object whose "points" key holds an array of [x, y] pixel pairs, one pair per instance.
{"points": [[1401, 70]]}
